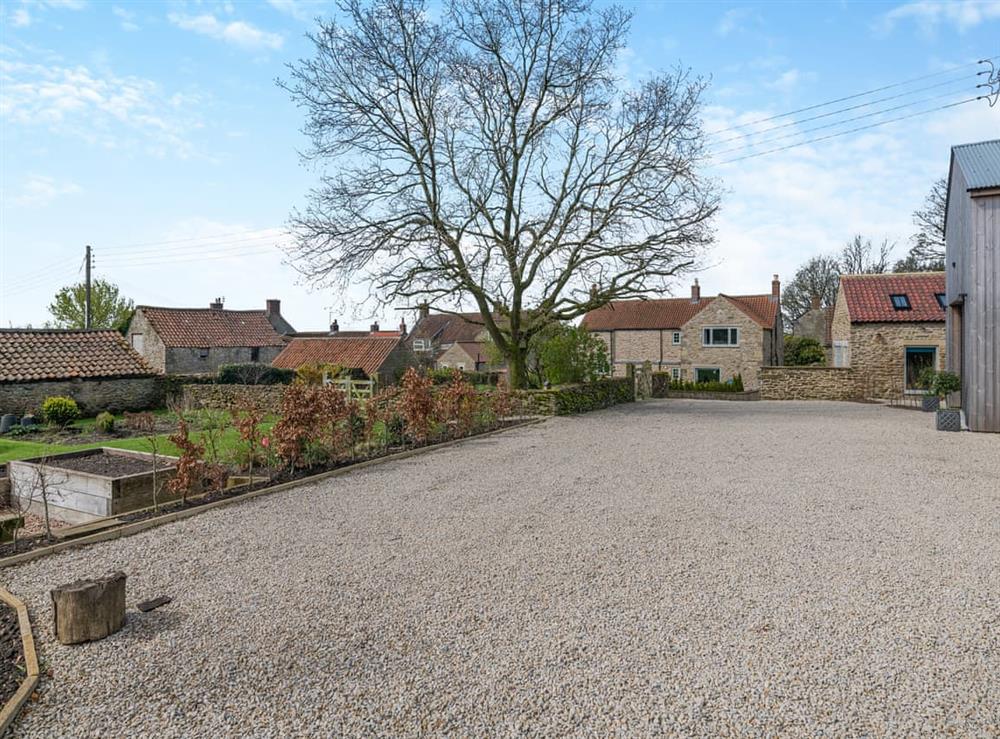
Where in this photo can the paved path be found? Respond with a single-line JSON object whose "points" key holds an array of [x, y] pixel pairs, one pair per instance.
{"points": [[676, 567]]}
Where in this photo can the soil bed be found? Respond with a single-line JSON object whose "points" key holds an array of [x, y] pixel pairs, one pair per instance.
{"points": [[110, 465], [11, 654]]}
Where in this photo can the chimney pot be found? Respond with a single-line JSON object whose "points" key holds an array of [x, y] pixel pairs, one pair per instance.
{"points": [[216, 304], [425, 310], [695, 292], [334, 327], [375, 327], [273, 307]]}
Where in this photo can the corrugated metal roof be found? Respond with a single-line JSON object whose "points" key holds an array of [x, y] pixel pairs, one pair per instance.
{"points": [[980, 163]]}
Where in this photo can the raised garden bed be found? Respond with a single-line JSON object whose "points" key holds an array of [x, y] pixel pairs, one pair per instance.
{"points": [[90, 485]]}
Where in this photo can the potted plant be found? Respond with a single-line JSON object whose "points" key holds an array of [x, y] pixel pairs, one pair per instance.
{"points": [[948, 419], [926, 380]]}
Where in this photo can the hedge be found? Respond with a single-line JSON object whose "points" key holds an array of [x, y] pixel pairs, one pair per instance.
{"points": [[566, 400], [251, 373], [443, 377]]}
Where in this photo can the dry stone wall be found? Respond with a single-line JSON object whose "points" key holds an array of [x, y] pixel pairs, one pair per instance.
{"points": [[810, 383]]}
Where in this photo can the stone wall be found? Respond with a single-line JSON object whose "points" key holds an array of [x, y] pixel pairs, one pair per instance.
{"points": [[878, 353], [223, 396], [188, 360], [810, 383], [93, 396]]}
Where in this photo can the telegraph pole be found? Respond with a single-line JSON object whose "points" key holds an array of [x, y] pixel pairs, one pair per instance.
{"points": [[88, 312]]}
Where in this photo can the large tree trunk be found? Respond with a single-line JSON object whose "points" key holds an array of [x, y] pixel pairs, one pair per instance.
{"points": [[517, 367], [87, 610]]}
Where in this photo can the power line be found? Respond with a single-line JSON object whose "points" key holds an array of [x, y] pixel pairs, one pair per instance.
{"points": [[193, 258], [262, 231], [199, 247], [853, 130], [852, 97]]}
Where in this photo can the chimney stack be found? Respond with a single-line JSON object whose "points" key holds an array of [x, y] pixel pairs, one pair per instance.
{"points": [[775, 289], [695, 292], [816, 303], [334, 327], [425, 310], [216, 304], [402, 328], [273, 308], [375, 327]]}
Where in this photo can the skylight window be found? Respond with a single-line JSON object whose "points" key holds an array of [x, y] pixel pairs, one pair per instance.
{"points": [[900, 302], [940, 298]]}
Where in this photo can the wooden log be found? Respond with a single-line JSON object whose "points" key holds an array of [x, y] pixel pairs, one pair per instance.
{"points": [[87, 610]]}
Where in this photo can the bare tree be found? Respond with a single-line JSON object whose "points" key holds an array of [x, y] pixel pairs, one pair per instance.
{"points": [[40, 485], [928, 243], [488, 154], [818, 277], [145, 424], [861, 257]]}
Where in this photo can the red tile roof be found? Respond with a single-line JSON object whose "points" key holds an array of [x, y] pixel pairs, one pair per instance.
{"points": [[445, 328], [367, 353], [48, 354], [868, 297], [673, 313], [208, 327]]}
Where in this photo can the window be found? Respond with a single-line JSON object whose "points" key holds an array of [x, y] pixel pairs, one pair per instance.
{"points": [[900, 302], [721, 336], [420, 345], [203, 352], [707, 374], [675, 373], [918, 358], [677, 337], [841, 354], [138, 342], [940, 298], [255, 354]]}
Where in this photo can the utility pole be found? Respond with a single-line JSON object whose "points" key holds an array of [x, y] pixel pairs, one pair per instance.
{"points": [[88, 311]]}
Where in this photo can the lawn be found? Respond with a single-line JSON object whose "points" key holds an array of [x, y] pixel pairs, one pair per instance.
{"points": [[22, 448]]}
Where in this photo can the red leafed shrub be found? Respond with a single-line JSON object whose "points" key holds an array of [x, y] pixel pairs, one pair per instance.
{"points": [[417, 404], [189, 465], [248, 416], [300, 428], [334, 413], [459, 405]]}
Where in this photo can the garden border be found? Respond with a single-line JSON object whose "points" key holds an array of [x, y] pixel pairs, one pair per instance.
{"points": [[10, 711], [130, 529]]}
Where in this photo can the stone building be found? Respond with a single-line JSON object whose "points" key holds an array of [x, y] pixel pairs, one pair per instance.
{"points": [[381, 358], [96, 368], [695, 339], [200, 340], [469, 356], [888, 328], [448, 340]]}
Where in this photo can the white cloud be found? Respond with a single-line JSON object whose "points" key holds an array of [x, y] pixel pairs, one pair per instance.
{"points": [[127, 18], [786, 81], [20, 18], [39, 190], [929, 14], [238, 33], [99, 107], [733, 20]]}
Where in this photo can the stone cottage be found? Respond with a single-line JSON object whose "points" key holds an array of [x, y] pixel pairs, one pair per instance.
{"points": [[381, 358], [698, 339], [888, 328], [200, 340], [96, 368], [450, 340]]}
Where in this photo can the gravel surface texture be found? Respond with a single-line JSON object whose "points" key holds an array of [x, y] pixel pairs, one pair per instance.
{"points": [[676, 567]]}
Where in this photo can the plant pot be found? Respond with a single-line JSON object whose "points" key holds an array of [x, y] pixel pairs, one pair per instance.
{"points": [[949, 419], [931, 403]]}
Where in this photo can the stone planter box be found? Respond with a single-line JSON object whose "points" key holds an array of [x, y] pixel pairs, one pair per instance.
{"points": [[949, 419], [930, 403], [76, 496]]}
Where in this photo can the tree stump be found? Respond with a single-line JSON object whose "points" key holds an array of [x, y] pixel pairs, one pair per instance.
{"points": [[87, 610]]}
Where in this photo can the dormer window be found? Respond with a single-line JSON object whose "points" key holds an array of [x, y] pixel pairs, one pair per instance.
{"points": [[900, 302], [940, 299]]}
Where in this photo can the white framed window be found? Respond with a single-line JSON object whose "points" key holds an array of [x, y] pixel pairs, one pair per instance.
{"points": [[421, 345], [676, 338], [675, 373], [720, 336]]}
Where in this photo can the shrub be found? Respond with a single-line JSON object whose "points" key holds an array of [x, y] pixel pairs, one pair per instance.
{"points": [[251, 373], [60, 410], [568, 355], [458, 405], [444, 376], [105, 422], [248, 416], [189, 466], [417, 404], [295, 435], [802, 351], [312, 374], [945, 383], [734, 385]]}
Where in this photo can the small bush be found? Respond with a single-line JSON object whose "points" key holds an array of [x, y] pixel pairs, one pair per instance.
{"points": [[60, 411], [251, 373], [105, 422], [734, 385], [445, 376], [802, 351]]}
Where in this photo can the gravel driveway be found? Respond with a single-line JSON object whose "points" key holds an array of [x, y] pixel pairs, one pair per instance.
{"points": [[675, 567]]}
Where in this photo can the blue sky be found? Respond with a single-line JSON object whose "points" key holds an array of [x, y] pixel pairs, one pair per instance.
{"points": [[155, 132]]}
